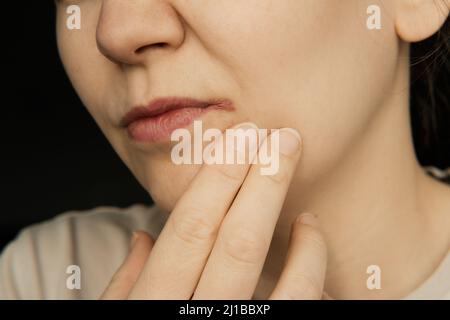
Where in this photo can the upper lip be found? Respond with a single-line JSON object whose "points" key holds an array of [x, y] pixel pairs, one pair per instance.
{"points": [[161, 105]]}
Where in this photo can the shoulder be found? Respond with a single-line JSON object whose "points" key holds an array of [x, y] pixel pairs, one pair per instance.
{"points": [[34, 265], [437, 286]]}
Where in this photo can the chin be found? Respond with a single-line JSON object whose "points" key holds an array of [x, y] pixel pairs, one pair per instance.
{"points": [[167, 185]]}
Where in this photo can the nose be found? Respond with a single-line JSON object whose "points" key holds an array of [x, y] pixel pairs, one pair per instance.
{"points": [[128, 31]]}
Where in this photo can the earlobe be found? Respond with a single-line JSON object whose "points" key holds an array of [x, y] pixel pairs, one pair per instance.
{"points": [[417, 20]]}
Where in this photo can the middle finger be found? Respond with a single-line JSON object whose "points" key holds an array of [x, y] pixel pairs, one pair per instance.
{"points": [[180, 253], [236, 261]]}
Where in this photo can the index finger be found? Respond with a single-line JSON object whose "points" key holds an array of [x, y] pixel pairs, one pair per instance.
{"points": [[180, 253]]}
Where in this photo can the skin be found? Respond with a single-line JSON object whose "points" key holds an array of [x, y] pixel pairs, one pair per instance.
{"points": [[308, 65]]}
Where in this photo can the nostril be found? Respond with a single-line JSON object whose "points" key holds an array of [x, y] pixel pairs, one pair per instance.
{"points": [[160, 44], [154, 45]]}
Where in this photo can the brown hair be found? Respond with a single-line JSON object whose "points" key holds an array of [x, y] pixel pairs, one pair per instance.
{"points": [[430, 88]]}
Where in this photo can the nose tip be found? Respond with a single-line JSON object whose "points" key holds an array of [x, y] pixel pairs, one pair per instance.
{"points": [[126, 33]]}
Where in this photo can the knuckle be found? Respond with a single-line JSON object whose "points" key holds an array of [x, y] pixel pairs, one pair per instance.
{"points": [[193, 228], [229, 173], [244, 247], [280, 176]]}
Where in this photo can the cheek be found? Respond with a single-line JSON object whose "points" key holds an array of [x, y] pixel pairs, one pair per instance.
{"points": [[340, 86], [307, 64], [312, 65], [89, 72]]}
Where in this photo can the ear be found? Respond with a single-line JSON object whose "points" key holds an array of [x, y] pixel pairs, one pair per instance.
{"points": [[417, 20]]}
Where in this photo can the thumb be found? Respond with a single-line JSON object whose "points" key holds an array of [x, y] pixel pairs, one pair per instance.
{"points": [[127, 274]]}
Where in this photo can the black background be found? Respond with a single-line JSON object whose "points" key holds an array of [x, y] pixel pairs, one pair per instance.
{"points": [[54, 158]]}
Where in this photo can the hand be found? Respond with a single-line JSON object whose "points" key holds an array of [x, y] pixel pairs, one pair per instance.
{"points": [[216, 239]]}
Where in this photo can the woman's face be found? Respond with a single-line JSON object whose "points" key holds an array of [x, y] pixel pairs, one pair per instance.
{"points": [[307, 64]]}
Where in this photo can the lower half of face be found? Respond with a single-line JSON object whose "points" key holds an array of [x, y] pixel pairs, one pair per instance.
{"points": [[306, 64]]}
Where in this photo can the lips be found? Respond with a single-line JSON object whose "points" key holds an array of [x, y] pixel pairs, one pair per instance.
{"points": [[161, 117]]}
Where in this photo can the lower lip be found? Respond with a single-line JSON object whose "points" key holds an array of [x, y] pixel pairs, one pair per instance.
{"points": [[158, 128]]}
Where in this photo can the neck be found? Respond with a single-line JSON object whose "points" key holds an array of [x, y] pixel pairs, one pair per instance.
{"points": [[375, 209]]}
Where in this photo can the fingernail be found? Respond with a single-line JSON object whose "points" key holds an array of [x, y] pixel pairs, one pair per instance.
{"points": [[289, 141], [308, 219], [134, 238]]}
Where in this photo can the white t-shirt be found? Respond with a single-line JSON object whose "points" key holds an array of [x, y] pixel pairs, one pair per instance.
{"points": [[34, 265]]}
